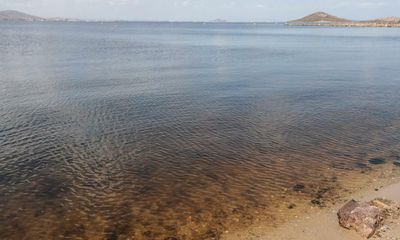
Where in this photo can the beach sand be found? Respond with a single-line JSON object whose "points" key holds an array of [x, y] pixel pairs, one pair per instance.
{"points": [[322, 223]]}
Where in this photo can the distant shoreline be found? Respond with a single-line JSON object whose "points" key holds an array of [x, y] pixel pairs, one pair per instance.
{"points": [[316, 19], [339, 25], [350, 24], [139, 21]]}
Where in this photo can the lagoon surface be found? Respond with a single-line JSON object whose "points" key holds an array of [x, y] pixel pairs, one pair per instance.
{"points": [[185, 131]]}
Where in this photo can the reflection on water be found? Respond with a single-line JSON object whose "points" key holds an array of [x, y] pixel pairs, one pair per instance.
{"points": [[181, 131]]}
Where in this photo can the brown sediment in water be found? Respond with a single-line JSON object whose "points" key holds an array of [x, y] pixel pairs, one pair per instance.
{"points": [[95, 191], [195, 178], [58, 214]]}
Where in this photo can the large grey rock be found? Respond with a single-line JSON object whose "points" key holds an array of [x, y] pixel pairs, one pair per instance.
{"points": [[364, 218]]}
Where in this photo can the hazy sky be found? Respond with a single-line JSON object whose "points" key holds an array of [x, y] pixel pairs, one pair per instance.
{"points": [[201, 10]]}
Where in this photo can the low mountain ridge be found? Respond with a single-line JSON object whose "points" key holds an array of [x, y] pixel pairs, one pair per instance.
{"points": [[11, 15]]}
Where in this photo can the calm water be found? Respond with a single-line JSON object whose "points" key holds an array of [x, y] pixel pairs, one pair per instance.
{"points": [[182, 131]]}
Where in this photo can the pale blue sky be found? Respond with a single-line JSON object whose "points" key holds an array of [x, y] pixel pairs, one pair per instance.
{"points": [[203, 10]]}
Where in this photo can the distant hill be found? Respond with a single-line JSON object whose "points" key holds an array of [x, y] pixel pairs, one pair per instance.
{"points": [[325, 19], [11, 15], [320, 17]]}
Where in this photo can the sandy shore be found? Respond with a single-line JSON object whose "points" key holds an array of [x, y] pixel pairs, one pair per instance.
{"points": [[322, 223]]}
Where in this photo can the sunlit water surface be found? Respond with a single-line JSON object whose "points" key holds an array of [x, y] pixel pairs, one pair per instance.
{"points": [[183, 131]]}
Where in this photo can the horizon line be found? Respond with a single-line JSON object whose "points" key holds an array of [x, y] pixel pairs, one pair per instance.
{"points": [[214, 21]]}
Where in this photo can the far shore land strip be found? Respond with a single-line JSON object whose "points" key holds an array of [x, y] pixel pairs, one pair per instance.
{"points": [[315, 19], [348, 24], [325, 19]]}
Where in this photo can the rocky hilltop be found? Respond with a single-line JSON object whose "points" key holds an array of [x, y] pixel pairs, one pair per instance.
{"points": [[11, 15], [320, 17], [325, 19]]}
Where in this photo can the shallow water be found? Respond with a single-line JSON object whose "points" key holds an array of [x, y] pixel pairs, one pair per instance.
{"points": [[182, 131]]}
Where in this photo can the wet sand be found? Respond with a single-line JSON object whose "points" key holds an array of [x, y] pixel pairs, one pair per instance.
{"points": [[322, 223]]}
